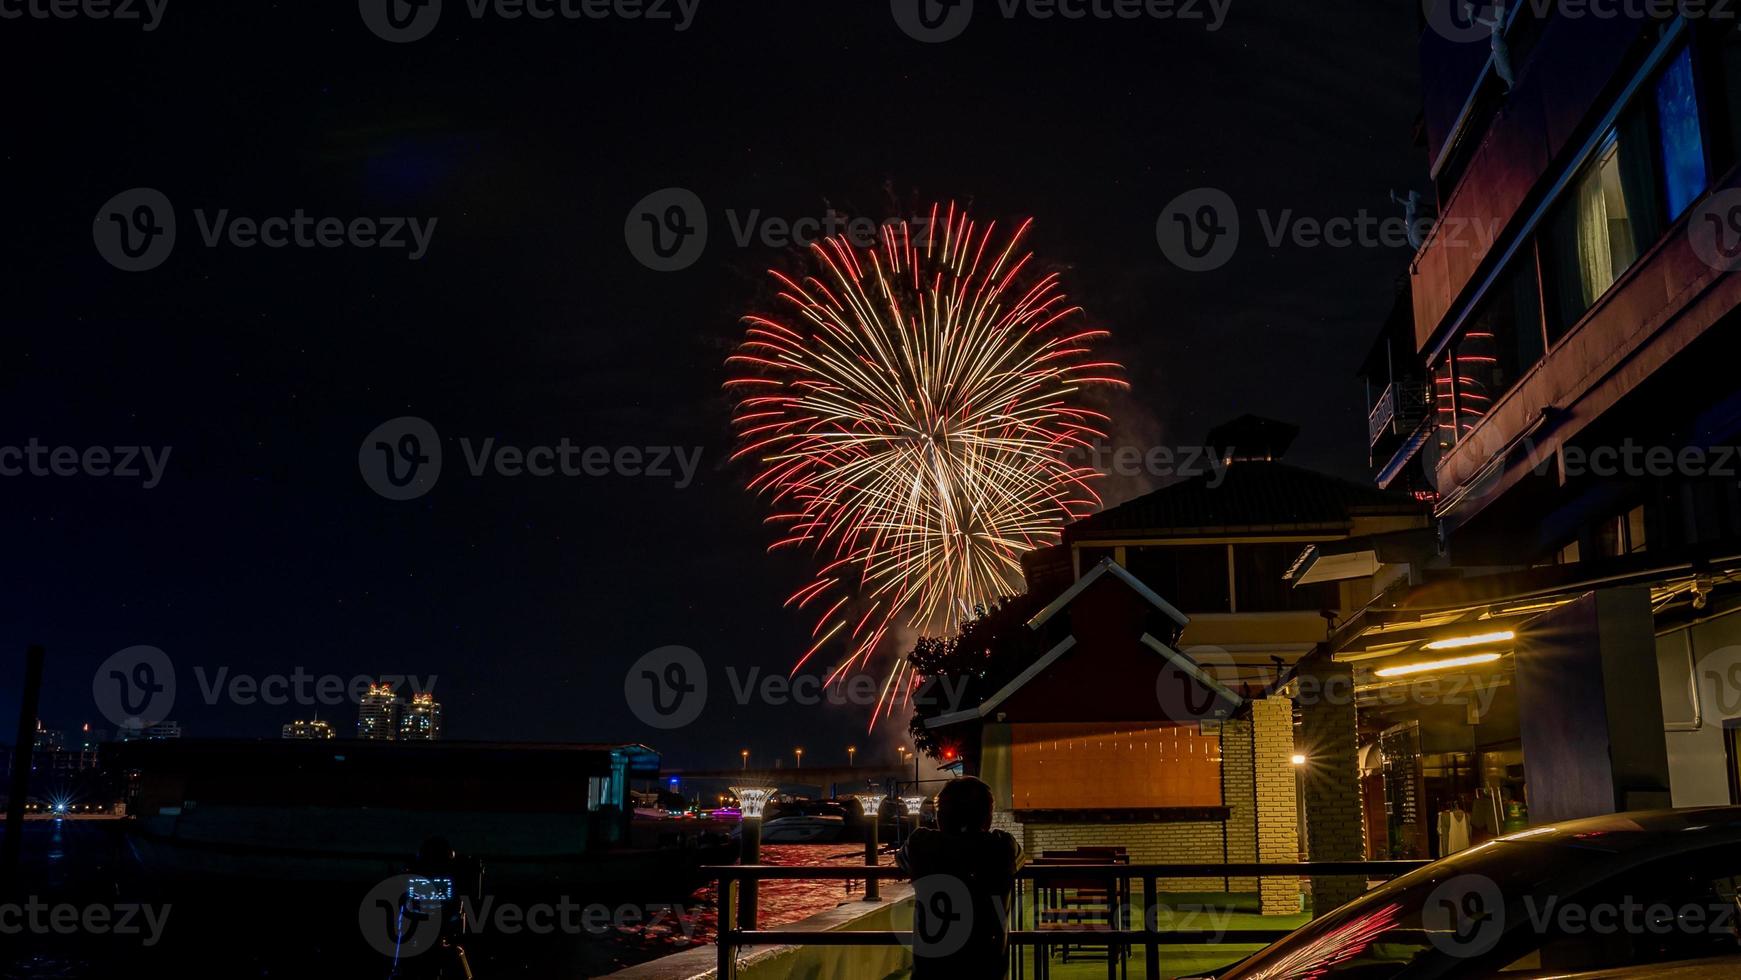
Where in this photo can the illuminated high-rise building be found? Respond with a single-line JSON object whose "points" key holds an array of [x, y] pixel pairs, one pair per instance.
{"points": [[315, 729], [378, 714], [421, 719]]}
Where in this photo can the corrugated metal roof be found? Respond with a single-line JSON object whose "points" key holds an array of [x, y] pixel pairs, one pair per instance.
{"points": [[1248, 495]]}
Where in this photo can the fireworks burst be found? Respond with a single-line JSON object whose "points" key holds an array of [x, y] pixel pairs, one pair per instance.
{"points": [[914, 415]]}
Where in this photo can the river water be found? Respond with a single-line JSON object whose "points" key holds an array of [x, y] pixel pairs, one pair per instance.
{"points": [[95, 917]]}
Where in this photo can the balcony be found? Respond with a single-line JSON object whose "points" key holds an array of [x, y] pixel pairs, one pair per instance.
{"points": [[1399, 410]]}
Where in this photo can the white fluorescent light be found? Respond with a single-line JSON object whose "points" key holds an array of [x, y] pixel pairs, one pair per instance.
{"points": [[1421, 668], [1478, 639]]}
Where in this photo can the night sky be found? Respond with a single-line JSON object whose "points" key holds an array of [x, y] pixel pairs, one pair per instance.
{"points": [[528, 319]]}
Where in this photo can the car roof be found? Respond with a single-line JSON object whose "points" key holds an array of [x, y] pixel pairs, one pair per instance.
{"points": [[1710, 824], [1722, 967]]}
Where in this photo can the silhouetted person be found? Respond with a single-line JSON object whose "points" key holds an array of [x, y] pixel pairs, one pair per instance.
{"points": [[963, 873]]}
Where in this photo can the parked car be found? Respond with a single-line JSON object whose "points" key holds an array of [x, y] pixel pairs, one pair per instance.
{"points": [[1624, 895]]}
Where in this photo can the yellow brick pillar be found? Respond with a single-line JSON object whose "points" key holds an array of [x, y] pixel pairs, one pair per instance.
{"points": [[1272, 722]]}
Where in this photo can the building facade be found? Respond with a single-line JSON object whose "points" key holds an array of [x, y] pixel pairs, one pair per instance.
{"points": [[1561, 387], [420, 720], [315, 729], [378, 714]]}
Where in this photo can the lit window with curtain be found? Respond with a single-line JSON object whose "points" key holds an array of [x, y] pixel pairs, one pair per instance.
{"points": [[1607, 218], [1683, 144]]}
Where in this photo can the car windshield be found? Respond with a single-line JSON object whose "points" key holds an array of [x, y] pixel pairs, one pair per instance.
{"points": [[1399, 924]]}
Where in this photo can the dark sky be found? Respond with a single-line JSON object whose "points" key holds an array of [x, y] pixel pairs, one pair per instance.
{"points": [[529, 320]]}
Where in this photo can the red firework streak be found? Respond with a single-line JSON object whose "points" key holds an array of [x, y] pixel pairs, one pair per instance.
{"points": [[913, 412]]}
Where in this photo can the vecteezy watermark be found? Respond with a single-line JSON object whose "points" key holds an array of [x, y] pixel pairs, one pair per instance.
{"points": [[39, 917], [667, 230], [1199, 230], [667, 688], [1466, 916], [146, 13], [1634, 460], [1714, 230], [401, 21], [120, 462], [1160, 462], [400, 459], [135, 231], [403, 916], [136, 687], [936, 21], [1462, 21]]}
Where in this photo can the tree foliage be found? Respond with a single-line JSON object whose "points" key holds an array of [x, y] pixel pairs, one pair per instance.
{"points": [[961, 671]]}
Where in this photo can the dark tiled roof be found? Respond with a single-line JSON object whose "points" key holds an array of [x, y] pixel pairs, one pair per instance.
{"points": [[1254, 494]]}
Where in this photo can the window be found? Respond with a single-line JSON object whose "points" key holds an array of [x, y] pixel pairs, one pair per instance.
{"points": [[1623, 535], [1257, 573], [1604, 222], [1683, 147], [1191, 577], [1568, 555], [1445, 404], [1676, 908], [1501, 341]]}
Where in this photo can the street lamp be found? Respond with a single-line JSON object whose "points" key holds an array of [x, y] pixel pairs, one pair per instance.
{"points": [[872, 805], [746, 754], [851, 750], [914, 805], [752, 800], [800, 757]]}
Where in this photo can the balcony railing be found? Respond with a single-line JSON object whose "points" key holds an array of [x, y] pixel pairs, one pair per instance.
{"points": [[1114, 934], [1400, 408]]}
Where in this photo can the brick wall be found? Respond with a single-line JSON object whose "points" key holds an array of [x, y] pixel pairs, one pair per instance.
{"points": [[1239, 793], [1334, 829], [1277, 803], [1185, 842]]}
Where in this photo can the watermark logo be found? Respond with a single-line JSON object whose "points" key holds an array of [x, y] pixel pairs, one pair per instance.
{"points": [[1464, 916], [1198, 231], [942, 916], [42, 918], [399, 918], [120, 462], [403, 21], [1157, 462], [1714, 229], [135, 687], [135, 230], [932, 21], [401, 458], [667, 688], [935, 21], [400, 21], [1196, 684], [1459, 21], [667, 230], [146, 13]]}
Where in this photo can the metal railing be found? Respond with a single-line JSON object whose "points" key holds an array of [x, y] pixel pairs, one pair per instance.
{"points": [[1115, 936]]}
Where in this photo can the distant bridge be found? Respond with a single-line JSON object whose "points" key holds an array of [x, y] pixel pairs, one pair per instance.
{"points": [[847, 778]]}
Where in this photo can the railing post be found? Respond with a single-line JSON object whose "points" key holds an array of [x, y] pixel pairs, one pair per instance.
{"points": [[727, 940], [749, 892], [872, 888], [1151, 922]]}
